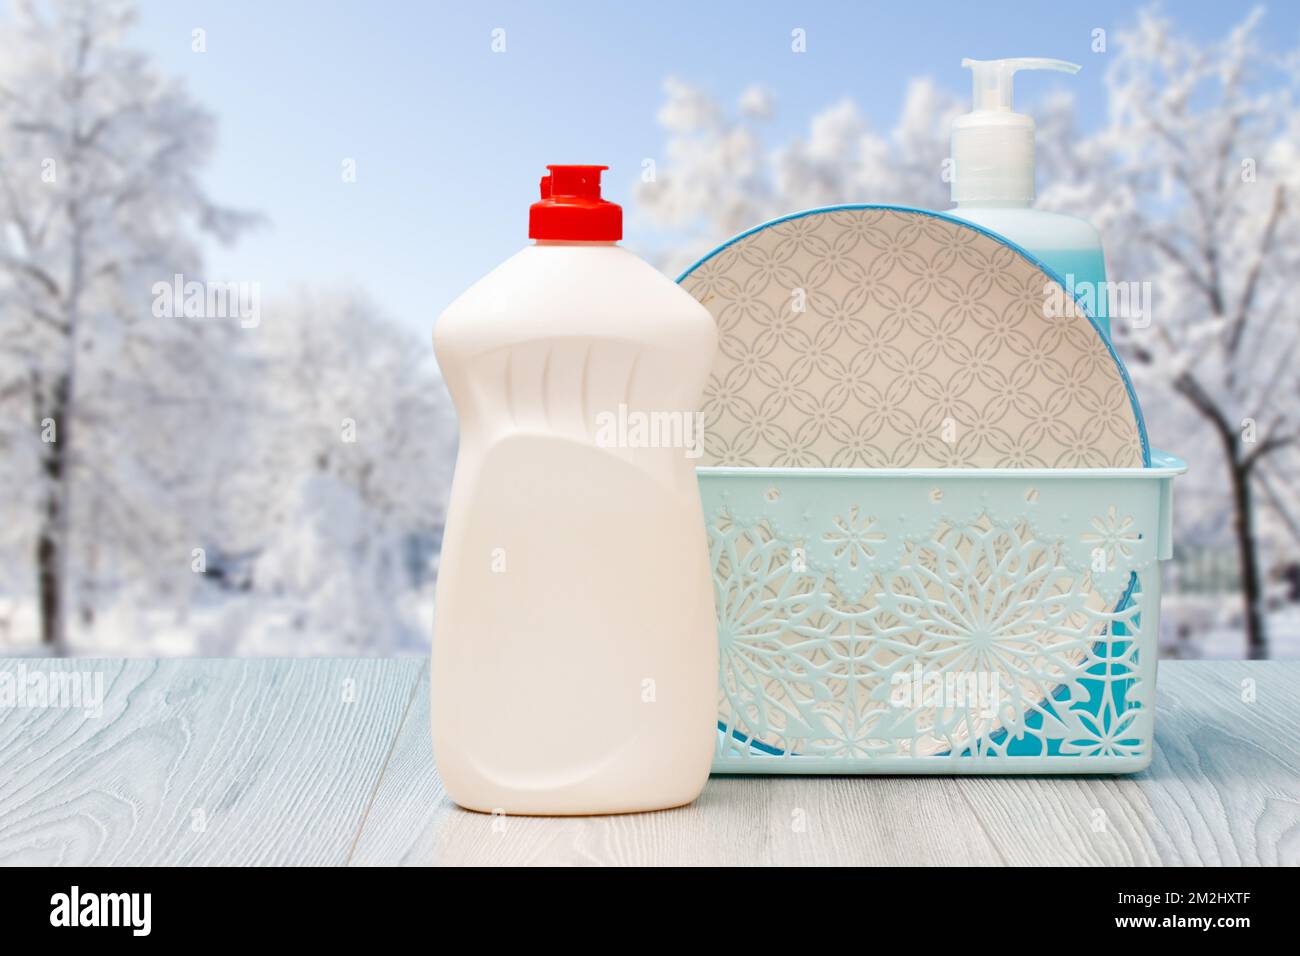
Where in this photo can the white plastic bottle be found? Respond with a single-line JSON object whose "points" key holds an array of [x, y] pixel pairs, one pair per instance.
{"points": [[574, 666], [993, 183]]}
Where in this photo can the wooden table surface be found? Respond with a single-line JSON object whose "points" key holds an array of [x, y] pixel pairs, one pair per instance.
{"points": [[328, 761]]}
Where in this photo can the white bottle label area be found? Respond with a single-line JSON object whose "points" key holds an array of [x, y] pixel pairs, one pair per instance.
{"points": [[574, 659]]}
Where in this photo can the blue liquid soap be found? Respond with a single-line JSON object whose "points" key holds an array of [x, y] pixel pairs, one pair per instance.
{"points": [[1068, 246]]}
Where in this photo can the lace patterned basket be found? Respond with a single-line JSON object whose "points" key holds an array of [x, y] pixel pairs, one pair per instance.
{"points": [[943, 620]]}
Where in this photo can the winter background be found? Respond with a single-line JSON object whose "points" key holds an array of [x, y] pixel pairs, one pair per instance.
{"points": [[216, 485]]}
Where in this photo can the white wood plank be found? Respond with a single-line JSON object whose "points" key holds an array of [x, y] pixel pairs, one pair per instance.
{"points": [[287, 771], [276, 760], [410, 802], [1225, 787]]}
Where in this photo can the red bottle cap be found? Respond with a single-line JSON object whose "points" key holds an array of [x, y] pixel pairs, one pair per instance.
{"points": [[571, 207]]}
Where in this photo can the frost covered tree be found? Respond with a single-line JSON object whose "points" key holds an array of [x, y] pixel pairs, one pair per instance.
{"points": [[344, 494], [720, 177], [98, 199], [1202, 171], [1192, 180]]}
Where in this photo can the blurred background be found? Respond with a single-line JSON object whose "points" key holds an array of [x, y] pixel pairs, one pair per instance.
{"points": [[228, 228]]}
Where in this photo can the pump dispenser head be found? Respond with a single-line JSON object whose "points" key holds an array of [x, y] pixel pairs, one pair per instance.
{"points": [[992, 146], [571, 207]]}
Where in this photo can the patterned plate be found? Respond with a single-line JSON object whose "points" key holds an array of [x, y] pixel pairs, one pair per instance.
{"points": [[877, 336]]}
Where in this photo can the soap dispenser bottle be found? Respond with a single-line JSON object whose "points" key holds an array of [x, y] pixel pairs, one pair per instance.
{"points": [[575, 655], [993, 183]]}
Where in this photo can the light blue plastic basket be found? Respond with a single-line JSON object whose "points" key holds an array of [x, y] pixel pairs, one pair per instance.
{"points": [[925, 620], [860, 610]]}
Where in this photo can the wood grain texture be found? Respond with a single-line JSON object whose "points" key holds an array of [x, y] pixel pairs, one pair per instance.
{"points": [[201, 762], [287, 769]]}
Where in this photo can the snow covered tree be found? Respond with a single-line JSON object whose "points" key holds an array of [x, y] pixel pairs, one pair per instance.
{"points": [[1202, 176], [344, 494], [720, 177], [98, 200]]}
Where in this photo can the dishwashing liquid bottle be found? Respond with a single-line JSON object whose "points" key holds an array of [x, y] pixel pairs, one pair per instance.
{"points": [[575, 662], [993, 183]]}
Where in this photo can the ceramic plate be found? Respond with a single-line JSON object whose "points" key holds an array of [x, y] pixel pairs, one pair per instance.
{"points": [[874, 336]]}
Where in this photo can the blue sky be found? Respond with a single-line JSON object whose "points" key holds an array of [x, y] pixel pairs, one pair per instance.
{"points": [[450, 138]]}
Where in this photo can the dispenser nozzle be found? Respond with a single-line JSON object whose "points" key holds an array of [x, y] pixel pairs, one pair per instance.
{"points": [[993, 78], [993, 145]]}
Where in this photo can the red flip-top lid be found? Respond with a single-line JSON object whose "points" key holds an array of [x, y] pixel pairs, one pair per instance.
{"points": [[571, 207]]}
